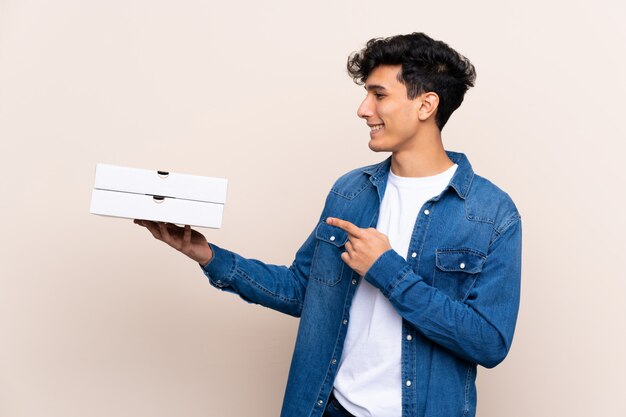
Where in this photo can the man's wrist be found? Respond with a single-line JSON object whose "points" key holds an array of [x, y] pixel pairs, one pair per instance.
{"points": [[206, 257], [386, 271]]}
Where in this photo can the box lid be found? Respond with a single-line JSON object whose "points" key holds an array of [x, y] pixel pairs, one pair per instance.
{"points": [[160, 183]]}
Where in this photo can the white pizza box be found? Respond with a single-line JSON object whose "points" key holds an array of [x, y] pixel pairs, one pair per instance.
{"points": [[158, 195]]}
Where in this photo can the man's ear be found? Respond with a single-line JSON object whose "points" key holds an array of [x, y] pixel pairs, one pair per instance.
{"points": [[430, 102]]}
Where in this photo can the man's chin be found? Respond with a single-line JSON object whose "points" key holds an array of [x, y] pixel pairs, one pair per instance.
{"points": [[376, 147]]}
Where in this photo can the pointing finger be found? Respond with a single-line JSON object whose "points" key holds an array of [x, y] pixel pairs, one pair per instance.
{"points": [[345, 225]]}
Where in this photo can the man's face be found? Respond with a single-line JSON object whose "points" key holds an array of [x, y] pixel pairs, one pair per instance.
{"points": [[392, 117]]}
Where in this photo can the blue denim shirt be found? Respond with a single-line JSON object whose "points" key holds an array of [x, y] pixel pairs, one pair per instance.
{"points": [[457, 290]]}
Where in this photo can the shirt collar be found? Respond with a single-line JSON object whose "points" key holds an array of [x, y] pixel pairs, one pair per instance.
{"points": [[461, 180]]}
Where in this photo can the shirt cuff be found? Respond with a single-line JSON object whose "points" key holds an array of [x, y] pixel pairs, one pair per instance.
{"points": [[387, 271], [221, 268]]}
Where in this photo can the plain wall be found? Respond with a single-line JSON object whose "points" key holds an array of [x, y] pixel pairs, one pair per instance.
{"points": [[99, 319]]}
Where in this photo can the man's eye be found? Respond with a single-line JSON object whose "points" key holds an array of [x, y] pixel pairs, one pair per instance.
{"points": [[379, 96]]}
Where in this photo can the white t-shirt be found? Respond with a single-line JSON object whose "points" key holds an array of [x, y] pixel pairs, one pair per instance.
{"points": [[368, 381]]}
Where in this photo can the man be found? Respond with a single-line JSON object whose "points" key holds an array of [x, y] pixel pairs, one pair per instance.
{"points": [[412, 276]]}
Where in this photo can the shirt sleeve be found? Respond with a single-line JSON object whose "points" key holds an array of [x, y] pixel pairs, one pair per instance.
{"points": [[480, 328], [278, 287]]}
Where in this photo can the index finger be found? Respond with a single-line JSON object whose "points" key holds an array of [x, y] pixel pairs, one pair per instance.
{"points": [[345, 225]]}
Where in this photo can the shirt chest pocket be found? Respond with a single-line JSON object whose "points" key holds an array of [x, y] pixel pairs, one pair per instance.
{"points": [[456, 271], [327, 266]]}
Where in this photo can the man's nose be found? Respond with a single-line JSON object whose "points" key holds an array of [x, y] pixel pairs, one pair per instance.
{"points": [[365, 109]]}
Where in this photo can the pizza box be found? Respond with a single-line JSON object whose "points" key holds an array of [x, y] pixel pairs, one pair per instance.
{"points": [[158, 196]]}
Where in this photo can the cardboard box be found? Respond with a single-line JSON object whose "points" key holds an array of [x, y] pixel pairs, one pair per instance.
{"points": [[159, 196]]}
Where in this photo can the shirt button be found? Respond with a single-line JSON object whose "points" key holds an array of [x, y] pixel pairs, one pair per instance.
{"points": [[409, 337], [408, 382], [414, 255], [427, 212], [334, 361], [320, 402], [332, 238], [354, 282], [345, 322], [462, 266], [218, 283]]}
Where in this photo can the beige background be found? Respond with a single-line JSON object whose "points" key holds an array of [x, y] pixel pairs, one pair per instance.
{"points": [[98, 319]]}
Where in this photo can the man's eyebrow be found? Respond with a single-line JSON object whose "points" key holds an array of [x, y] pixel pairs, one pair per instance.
{"points": [[374, 87]]}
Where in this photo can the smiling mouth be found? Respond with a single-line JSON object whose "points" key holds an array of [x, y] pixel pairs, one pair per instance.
{"points": [[376, 128]]}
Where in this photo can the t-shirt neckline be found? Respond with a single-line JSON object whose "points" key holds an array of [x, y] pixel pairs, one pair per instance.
{"points": [[422, 181]]}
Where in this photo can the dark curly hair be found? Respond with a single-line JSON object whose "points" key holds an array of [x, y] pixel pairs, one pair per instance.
{"points": [[427, 66]]}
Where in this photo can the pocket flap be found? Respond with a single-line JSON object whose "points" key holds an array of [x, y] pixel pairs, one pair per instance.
{"points": [[331, 234], [460, 260]]}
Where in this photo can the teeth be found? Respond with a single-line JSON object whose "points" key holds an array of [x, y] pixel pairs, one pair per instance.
{"points": [[377, 127]]}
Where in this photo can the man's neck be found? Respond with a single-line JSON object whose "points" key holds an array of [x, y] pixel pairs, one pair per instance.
{"points": [[427, 157]]}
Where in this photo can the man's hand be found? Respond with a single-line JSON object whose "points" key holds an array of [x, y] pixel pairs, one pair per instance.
{"points": [[363, 247], [184, 239]]}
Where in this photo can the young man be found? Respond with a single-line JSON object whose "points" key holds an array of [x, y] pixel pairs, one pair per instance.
{"points": [[412, 276]]}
